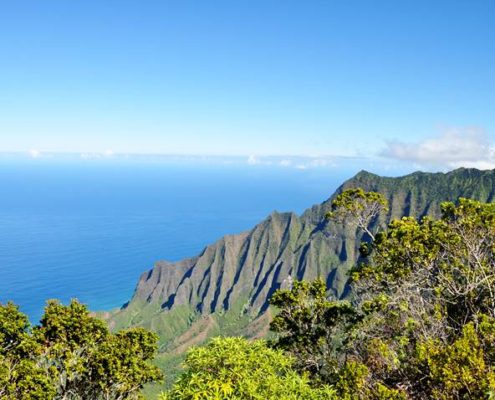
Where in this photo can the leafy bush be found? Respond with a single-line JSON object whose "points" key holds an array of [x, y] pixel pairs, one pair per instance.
{"points": [[237, 369], [71, 355]]}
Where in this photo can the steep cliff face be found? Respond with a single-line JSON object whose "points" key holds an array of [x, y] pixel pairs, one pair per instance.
{"points": [[225, 289]]}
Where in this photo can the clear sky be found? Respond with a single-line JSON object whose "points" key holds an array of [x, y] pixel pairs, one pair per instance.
{"points": [[404, 80]]}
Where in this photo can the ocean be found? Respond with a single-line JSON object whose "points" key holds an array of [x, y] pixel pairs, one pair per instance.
{"points": [[88, 230]]}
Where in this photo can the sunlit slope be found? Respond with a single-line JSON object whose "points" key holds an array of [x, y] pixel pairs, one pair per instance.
{"points": [[225, 289]]}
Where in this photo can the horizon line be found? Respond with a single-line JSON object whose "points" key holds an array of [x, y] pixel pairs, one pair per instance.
{"points": [[35, 153]]}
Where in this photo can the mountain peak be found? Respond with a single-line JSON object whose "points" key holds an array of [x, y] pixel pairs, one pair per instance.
{"points": [[231, 281], [364, 172]]}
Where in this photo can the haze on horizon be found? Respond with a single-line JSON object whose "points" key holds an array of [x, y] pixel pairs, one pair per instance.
{"points": [[409, 83]]}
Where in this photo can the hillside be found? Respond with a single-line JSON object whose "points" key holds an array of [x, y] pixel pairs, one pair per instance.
{"points": [[225, 289]]}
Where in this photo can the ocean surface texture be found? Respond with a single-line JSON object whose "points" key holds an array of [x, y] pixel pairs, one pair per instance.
{"points": [[89, 230]]}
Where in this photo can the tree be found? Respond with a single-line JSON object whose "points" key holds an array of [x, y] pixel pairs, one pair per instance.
{"points": [[423, 310], [311, 327], [72, 355], [21, 373], [237, 369], [359, 208]]}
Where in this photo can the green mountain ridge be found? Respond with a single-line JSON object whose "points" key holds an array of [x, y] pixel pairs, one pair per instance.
{"points": [[225, 289]]}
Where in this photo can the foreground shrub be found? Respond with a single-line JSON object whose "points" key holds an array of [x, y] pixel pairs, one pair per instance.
{"points": [[72, 356], [235, 368]]}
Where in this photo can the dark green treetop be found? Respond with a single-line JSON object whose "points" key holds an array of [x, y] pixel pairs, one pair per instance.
{"points": [[71, 355]]}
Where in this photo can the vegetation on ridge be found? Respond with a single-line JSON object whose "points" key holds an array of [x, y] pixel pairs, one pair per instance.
{"points": [[225, 289], [422, 322], [420, 325], [229, 283]]}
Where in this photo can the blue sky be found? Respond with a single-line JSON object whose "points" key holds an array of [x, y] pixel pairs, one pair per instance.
{"points": [[411, 81]]}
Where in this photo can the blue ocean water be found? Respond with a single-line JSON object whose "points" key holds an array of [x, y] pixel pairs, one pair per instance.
{"points": [[88, 230]]}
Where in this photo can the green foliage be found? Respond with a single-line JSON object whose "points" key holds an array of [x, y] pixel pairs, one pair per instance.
{"points": [[358, 207], [21, 375], [120, 364], [311, 327], [234, 368], [24, 379], [71, 355], [423, 317], [13, 329], [450, 262], [70, 326], [461, 369]]}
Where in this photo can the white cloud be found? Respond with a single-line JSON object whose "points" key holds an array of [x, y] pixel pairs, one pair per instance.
{"points": [[34, 153], [298, 162], [253, 160], [467, 147], [97, 155]]}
